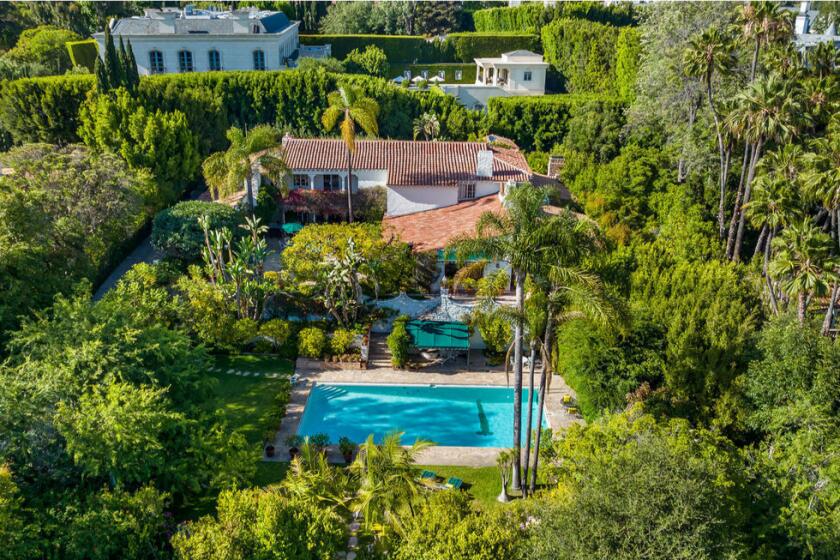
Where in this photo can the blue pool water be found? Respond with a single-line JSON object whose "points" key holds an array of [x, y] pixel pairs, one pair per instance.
{"points": [[447, 415]]}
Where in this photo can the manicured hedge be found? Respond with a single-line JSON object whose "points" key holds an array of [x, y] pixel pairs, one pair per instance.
{"points": [[43, 109], [46, 109], [83, 53], [532, 17], [468, 71], [583, 52], [465, 47], [539, 122], [404, 49], [176, 230], [398, 48]]}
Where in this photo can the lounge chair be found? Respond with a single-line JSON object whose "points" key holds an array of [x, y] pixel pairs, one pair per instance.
{"points": [[428, 475], [454, 483], [567, 399]]}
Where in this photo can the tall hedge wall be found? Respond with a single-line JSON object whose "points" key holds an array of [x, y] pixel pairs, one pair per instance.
{"points": [[538, 123], [531, 17], [398, 48], [465, 47], [583, 52], [403, 49], [46, 109]]}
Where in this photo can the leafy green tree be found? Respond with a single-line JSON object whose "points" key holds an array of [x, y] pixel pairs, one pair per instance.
{"points": [[804, 264], [116, 431], [628, 51], [630, 487], [118, 524], [371, 61], [349, 105], [13, 531], [595, 129], [43, 45], [448, 528], [177, 231], [226, 171], [159, 141], [709, 313], [263, 524]]}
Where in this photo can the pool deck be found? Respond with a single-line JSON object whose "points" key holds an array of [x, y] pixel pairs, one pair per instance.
{"points": [[456, 374]]}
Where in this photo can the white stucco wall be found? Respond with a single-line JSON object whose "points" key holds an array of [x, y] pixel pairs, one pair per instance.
{"points": [[407, 200], [236, 51], [365, 178], [483, 188], [517, 83]]}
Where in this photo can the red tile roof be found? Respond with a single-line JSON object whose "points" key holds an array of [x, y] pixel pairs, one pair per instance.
{"points": [[434, 229], [434, 164]]}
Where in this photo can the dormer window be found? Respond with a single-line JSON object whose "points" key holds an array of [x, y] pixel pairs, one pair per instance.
{"points": [[259, 60]]}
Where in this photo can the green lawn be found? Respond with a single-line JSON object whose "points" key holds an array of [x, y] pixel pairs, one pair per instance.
{"points": [[482, 483]]}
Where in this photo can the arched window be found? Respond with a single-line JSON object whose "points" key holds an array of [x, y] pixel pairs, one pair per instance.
{"points": [[259, 60], [215, 60], [185, 61], [156, 62]]}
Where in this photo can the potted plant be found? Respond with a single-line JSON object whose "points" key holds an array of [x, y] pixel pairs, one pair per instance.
{"points": [[293, 442], [320, 442], [347, 448]]}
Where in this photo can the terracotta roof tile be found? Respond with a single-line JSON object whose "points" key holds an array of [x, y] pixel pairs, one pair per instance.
{"points": [[433, 229], [434, 164]]}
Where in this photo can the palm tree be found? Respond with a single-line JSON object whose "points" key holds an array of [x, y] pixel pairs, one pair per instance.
{"points": [[763, 24], [387, 479], [823, 59], [822, 183], [709, 53], [355, 109], [804, 263], [427, 126], [576, 293], [767, 111], [526, 238], [225, 171]]}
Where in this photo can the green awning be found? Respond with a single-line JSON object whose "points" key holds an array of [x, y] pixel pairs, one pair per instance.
{"points": [[439, 334], [290, 228]]}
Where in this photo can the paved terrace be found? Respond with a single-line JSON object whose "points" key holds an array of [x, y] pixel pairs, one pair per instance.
{"points": [[454, 373]]}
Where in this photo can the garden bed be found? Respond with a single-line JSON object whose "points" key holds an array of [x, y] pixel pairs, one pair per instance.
{"points": [[327, 365]]}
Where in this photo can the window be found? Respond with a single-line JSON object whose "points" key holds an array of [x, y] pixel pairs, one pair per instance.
{"points": [[301, 181], [332, 182], [467, 191], [458, 75], [441, 74], [255, 29], [407, 74], [259, 60], [215, 60], [527, 77], [425, 74], [156, 62], [185, 63]]}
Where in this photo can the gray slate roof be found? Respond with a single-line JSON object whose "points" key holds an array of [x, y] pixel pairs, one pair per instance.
{"points": [[273, 22]]}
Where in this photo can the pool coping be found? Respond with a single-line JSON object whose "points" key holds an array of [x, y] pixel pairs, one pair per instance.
{"points": [[556, 414]]}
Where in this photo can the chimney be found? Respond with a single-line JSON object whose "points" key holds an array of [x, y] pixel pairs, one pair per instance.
{"points": [[555, 165], [484, 163]]}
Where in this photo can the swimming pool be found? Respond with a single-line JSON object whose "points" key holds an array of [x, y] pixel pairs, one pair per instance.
{"points": [[448, 415]]}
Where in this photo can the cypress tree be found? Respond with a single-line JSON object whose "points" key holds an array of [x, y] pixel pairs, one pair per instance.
{"points": [[112, 62], [122, 57], [131, 69], [102, 84]]}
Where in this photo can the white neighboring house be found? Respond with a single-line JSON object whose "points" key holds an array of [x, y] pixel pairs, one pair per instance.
{"points": [[190, 40], [806, 38], [518, 72], [418, 176]]}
